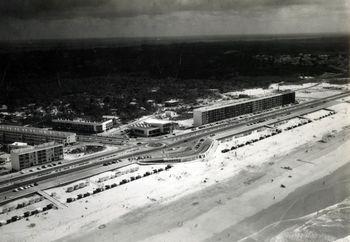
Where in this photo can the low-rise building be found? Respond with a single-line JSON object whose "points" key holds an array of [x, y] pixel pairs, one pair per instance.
{"points": [[144, 130], [170, 114], [171, 103], [82, 126], [165, 126], [34, 136], [36, 155], [115, 119], [152, 127]]}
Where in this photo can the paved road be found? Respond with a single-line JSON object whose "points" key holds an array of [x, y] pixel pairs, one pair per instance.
{"points": [[269, 122], [95, 168], [60, 180]]}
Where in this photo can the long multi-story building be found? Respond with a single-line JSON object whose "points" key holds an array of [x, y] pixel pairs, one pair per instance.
{"points": [[36, 155], [82, 126], [205, 115], [34, 136]]}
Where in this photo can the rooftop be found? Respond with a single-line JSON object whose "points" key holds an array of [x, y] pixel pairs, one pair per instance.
{"points": [[157, 121], [172, 101], [36, 147], [110, 117], [18, 144], [78, 121], [235, 102], [33, 130], [143, 125]]}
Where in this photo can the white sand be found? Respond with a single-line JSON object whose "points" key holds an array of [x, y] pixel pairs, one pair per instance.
{"points": [[184, 179]]}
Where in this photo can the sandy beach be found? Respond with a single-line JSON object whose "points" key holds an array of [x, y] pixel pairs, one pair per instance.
{"points": [[225, 197], [227, 211]]}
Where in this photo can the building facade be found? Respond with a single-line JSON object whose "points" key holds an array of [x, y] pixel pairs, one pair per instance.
{"points": [[144, 130], [115, 119], [16, 145], [215, 113], [82, 126], [152, 127], [36, 155], [171, 103], [4, 158], [165, 126], [34, 136]]}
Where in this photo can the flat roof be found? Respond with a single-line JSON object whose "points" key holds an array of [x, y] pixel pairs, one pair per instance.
{"points": [[83, 122], [33, 130], [143, 126], [232, 103], [157, 121], [18, 144], [110, 117], [172, 101], [36, 148]]}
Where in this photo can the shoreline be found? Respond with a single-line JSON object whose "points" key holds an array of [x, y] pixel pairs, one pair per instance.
{"points": [[200, 200], [186, 214], [304, 201]]}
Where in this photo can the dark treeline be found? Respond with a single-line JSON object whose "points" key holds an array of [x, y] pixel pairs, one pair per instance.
{"points": [[183, 70]]}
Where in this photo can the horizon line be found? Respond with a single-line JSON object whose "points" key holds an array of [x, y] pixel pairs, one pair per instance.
{"points": [[169, 37]]}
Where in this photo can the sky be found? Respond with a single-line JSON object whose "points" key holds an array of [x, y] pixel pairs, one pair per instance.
{"points": [[56, 19]]}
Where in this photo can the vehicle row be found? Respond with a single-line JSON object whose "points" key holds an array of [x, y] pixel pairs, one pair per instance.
{"points": [[115, 161], [43, 167], [26, 214], [275, 132], [25, 187], [113, 185]]}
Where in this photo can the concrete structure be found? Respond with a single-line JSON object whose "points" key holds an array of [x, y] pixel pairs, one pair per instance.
{"points": [[16, 145], [152, 127], [82, 126], [171, 103], [4, 158], [144, 130], [36, 155], [170, 114], [165, 126], [115, 119], [215, 113], [34, 136]]}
